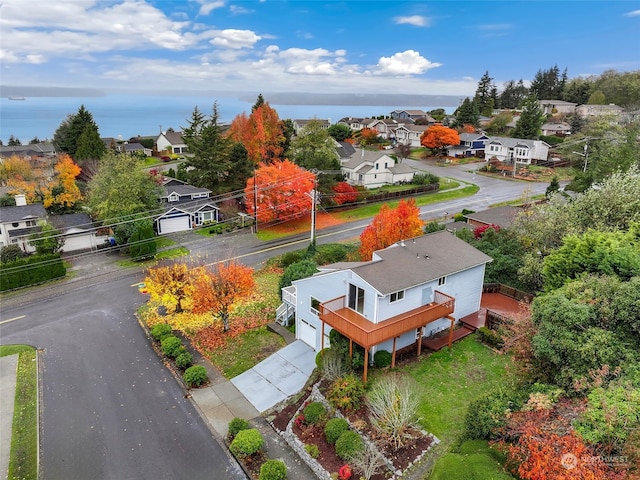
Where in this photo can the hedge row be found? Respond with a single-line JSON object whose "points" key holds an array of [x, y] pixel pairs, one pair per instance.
{"points": [[31, 270]]}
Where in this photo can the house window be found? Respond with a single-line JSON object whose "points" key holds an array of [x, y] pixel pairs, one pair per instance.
{"points": [[377, 166], [315, 306], [31, 223], [356, 298], [385, 165], [15, 224], [206, 216], [442, 281], [395, 296], [174, 197]]}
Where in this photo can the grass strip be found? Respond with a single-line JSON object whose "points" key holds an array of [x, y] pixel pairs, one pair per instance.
{"points": [[23, 462]]}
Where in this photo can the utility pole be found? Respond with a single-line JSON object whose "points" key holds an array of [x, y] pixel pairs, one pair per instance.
{"points": [[314, 194], [255, 201]]}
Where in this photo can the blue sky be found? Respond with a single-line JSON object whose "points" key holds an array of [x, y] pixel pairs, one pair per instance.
{"points": [[309, 46]]}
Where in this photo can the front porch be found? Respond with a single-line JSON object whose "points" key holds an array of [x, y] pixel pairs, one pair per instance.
{"points": [[365, 333]]}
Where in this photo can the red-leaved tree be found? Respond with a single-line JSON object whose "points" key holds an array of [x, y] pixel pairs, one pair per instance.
{"points": [[389, 226], [344, 193], [261, 133], [281, 191]]}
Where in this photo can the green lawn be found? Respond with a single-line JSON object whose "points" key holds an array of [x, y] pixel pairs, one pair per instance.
{"points": [[23, 463], [450, 379], [473, 460], [246, 351]]}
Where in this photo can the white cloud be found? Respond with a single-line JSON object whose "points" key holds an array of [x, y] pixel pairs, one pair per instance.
{"points": [[415, 20], [408, 62], [207, 7], [633, 13], [238, 10], [232, 38]]}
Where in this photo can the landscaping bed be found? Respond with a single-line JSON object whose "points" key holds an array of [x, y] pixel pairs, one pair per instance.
{"points": [[394, 462]]}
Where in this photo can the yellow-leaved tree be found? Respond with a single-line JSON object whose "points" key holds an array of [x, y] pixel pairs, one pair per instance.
{"points": [[170, 285]]}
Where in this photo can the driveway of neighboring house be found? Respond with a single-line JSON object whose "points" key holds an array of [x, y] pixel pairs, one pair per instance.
{"points": [[277, 377]]}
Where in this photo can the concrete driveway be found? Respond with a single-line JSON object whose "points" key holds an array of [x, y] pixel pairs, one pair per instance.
{"points": [[278, 377]]}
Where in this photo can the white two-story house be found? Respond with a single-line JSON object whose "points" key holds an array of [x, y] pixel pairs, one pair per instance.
{"points": [[414, 288], [372, 169], [523, 151], [19, 222]]}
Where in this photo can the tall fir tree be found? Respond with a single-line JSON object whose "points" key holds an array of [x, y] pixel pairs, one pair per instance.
{"points": [[69, 131], [483, 98], [467, 114], [530, 121], [89, 145], [209, 151]]}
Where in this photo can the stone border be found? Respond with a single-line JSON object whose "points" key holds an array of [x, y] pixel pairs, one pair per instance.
{"points": [[297, 446]]}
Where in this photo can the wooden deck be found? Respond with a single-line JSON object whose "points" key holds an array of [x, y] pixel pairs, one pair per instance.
{"points": [[439, 342]]}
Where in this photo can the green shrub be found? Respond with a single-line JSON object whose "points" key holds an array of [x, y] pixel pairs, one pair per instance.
{"points": [[334, 428], [236, 425], [171, 346], [349, 444], [339, 343], [246, 442], [195, 376], [273, 470], [332, 253], [290, 258], [382, 359], [31, 270], [160, 331], [488, 413], [302, 269], [346, 393], [184, 360], [312, 449], [314, 413], [490, 337]]}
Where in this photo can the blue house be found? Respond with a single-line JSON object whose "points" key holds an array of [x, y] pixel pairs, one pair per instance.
{"points": [[471, 145], [412, 289]]}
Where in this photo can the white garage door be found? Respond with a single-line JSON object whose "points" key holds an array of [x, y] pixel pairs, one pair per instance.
{"points": [[174, 224], [307, 333], [73, 243]]}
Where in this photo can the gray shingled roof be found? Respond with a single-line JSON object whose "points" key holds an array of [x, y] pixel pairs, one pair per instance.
{"points": [[23, 212], [72, 220], [501, 216], [418, 261]]}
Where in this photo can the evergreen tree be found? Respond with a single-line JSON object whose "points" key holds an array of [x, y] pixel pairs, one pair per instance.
{"points": [[241, 168], [89, 145], [467, 114], [549, 84], [577, 91], [13, 141], [483, 98], [553, 187], [142, 242], [67, 134], [532, 118], [259, 102], [209, 150]]}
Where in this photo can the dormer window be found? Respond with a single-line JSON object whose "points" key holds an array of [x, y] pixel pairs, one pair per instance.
{"points": [[174, 197]]}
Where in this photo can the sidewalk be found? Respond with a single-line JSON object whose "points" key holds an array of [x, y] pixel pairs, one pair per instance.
{"points": [[221, 401], [8, 366]]}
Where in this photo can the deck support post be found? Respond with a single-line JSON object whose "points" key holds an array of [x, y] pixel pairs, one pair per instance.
{"points": [[322, 340], [350, 348], [393, 354], [366, 365], [419, 341], [451, 330]]}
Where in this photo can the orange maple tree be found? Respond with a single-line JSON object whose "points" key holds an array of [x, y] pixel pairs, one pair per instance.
{"points": [[438, 137], [281, 191], [64, 192], [217, 288], [261, 133], [389, 226], [468, 128], [368, 135]]}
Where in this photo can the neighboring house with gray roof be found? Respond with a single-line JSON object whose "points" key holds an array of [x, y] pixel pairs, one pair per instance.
{"points": [[500, 216], [299, 124], [414, 288], [18, 222], [559, 129], [78, 231], [31, 150], [523, 151], [410, 114], [186, 207], [372, 169], [410, 134], [171, 141], [598, 110], [554, 107], [357, 123]]}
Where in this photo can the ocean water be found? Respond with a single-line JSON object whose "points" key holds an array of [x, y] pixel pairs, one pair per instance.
{"points": [[126, 116]]}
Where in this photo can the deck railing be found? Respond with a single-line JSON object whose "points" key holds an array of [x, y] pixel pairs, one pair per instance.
{"points": [[367, 333]]}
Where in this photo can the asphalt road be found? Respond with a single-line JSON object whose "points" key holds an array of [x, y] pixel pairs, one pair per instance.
{"points": [[109, 407]]}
